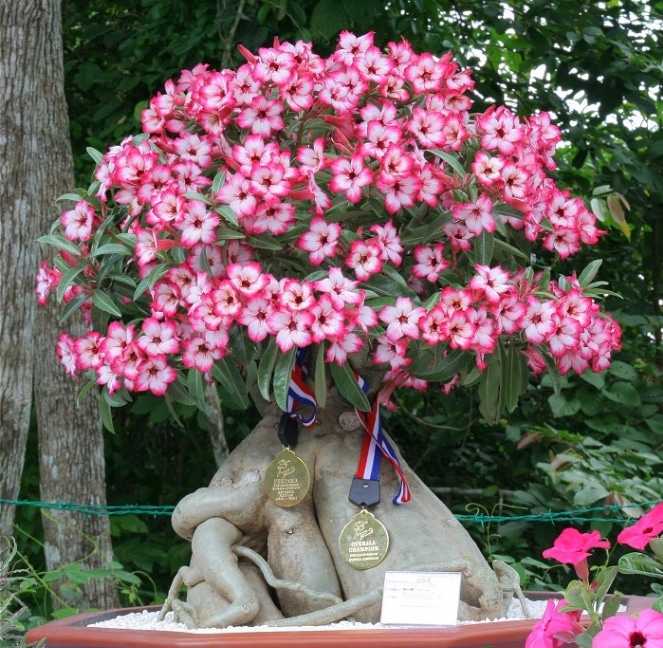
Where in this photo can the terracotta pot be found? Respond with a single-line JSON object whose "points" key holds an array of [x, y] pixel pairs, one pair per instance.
{"points": [[74, 632]]}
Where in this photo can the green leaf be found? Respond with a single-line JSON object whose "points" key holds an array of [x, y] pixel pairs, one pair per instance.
{"points": [[604, 581], [232, 387], [282, 376], [640, 564], [514, 366], [95, 155], [489, 392], [105, 412], [73, 306], [227, 214], [656, 545], [553, 372], [84, 391], [196, 388], [589, 273], [192, 195], [73, 197], [452, 161], [60, 243], [560, 405], [623, 393], [111, 248], [623, 370], [321, 376], [483, 248], [179, 393], [265, 242], [266, 369], [146, 284], [397, 278], [432, 363], [243, 350], [105, 303], [328, 18], [345, 380], [218, 182], [67, 279], [611, 606]]}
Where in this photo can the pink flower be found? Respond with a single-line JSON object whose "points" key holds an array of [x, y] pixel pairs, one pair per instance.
{"points": [[555, 628], [648, 527], [77, 222], [572, 546], [621, 631]]}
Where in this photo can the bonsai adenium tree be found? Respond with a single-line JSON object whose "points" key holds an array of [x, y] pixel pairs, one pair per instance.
{"points": [[314, 233]]}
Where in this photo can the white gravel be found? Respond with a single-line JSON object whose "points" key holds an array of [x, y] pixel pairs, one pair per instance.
{"points": [[147, 620]]}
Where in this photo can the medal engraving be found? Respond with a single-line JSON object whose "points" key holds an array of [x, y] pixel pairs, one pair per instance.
{"points": [[287, 479], [364, 541]]}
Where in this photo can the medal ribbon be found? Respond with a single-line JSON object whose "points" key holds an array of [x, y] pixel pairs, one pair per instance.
{"points": [[375, 445], [300, 393]]}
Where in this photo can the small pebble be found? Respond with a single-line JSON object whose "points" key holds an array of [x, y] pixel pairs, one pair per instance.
{"points": [[147, 620]]}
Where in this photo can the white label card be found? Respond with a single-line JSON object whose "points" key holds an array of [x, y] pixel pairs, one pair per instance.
{"points": [[420, 598]]}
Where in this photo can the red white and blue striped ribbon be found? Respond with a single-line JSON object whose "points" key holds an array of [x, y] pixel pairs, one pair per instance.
{"points": [[376, 446], [300, 393]]}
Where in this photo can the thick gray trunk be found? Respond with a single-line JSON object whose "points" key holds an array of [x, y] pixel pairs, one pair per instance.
{"points": [[24, 190], [36, 167]]}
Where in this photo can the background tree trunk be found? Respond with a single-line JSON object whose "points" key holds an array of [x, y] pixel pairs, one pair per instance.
{"points": [[36, 151], [24, 190]]}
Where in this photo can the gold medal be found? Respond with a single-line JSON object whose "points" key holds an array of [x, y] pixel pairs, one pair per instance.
{"points": [[287, 479], [364, 541]]}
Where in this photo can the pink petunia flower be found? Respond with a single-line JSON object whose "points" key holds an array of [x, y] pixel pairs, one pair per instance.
{"points": [[574, 547], [555, 628], [648, 527], [622, 631]]}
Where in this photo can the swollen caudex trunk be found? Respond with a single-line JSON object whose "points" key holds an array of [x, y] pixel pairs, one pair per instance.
{"points": [[309, 570]]}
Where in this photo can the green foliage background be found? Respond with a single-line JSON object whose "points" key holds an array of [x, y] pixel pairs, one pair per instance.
{"points": [[597, 66]]}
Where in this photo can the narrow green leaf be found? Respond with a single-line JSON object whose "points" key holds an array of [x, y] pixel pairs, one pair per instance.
{"points": [[60, 243], [483, 248], [146, 284], [105, 412], [490, 404], [348, 386], [218, 182], [396, 277], [243, 350], [74, 306], [97, 156], [265, 243], [320, 376], [73, 197], [553, 372], [196, 388], [513, 365], [266, 369], [604, 581], [282, 376], [452, 161], [179, 393], [192, 195], [231, 384], [111, 248], [589, 272], [104, 302], [84, 391], [433, 365], [227, 214], [506, 247], [67, 279]]}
